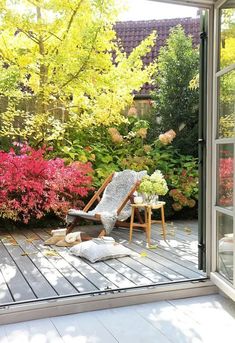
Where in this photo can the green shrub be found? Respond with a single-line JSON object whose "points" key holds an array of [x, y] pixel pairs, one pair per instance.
{"points": [[125, 147], [176, 103]]}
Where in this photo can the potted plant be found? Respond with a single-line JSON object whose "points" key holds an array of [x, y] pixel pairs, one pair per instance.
{"points": [[152, 186]]}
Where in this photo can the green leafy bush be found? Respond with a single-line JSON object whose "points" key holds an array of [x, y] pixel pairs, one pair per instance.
{"points": [[176, 102], [125, 147]]}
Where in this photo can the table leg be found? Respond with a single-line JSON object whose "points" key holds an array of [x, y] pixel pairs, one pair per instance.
{"points": [[146, 217], [148, 226], [131, 223], [163, 222]]}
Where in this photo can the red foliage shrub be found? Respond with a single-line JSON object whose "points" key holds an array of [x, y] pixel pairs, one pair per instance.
{"points": [[31, 186]]}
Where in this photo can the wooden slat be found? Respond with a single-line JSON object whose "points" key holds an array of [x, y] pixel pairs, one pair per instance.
{"points": [[83, 267], [170, 253], [34, 277], [163, 271], [180, 248], [5, 295], [17, 284], [65, 274], [99, 280], [66, 270], [133, 268], [126, 269], [49, 267], [160, 256], [122, 275], [118, 279], [149, 273]]}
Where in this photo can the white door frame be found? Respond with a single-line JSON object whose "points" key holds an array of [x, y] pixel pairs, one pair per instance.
{"points": [[223, 284]]}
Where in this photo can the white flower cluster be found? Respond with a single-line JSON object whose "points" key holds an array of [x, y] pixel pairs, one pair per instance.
{"points": [[154, 184]]}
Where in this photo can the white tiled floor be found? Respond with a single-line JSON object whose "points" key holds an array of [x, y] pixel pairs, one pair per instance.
{"points": [[206, 319]]}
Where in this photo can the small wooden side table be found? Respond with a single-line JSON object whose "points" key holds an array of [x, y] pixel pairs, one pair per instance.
{"points": [[148, 218]]}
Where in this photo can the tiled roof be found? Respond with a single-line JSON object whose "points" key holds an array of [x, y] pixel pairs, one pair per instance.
{"points": [[131, 33]]}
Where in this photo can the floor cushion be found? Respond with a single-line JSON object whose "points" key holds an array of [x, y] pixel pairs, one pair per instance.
{"points": [[99, 249]]}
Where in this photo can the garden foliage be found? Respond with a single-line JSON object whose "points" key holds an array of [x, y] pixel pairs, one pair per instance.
{"points": [[176, 103], [63, 60], [65, 82], [126, 147], [31, 186]]}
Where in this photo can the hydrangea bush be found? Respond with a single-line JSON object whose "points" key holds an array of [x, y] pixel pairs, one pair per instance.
{"points": [[154, 184], [127, 147], [31, 186]]}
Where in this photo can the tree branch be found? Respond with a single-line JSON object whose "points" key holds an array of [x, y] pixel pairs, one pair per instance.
{"points": [[29, 35], [84, 63], [52, 34], [72, 19], [68, 26]]}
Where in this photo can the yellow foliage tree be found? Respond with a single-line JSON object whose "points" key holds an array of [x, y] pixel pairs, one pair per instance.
{"points": [[65, 54]]}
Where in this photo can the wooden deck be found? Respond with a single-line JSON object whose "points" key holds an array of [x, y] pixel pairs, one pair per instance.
{"points": [[29, 270]]}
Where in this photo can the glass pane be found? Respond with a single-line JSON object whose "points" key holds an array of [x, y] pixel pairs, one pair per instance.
{"points": [[227, 35], [225, 245], [226, 105], [225, 168]]}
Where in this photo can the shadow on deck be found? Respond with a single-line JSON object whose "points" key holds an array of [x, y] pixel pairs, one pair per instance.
{"points": [[29, 270]]}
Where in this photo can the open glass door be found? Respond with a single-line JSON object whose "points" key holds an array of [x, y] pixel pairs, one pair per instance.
{"points": [[224, 148], [201, 141]]}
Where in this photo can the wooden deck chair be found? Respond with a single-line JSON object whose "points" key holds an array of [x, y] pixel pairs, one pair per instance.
{"points": [[114, 199]]}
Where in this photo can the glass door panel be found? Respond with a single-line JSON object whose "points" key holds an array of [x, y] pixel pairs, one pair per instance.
{"points": [[225, 245], [224, 142], [227, 35], [225, 169], [226, 104]]}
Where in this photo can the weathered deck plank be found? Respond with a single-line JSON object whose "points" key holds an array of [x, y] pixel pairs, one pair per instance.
{"points": [[30, 270], [149, 273], [83, 267], [16, 282], [131, 273], [5, 295], [170, 270], [51, 271], [67, 271], [166, 258], [32, 274]]}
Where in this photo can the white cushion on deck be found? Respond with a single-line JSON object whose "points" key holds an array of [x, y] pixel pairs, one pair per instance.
{"points": [[99, 249]]}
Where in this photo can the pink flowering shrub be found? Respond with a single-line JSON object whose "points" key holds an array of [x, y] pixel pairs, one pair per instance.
{"points": [[31, 186]]}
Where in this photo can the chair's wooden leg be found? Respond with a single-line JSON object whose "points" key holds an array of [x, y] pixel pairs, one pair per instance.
{"points": [[163, 222], [140, 219], [131, 223]]}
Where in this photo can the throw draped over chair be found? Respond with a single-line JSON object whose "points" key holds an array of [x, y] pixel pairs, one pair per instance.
{"points": [[114, 202]]}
